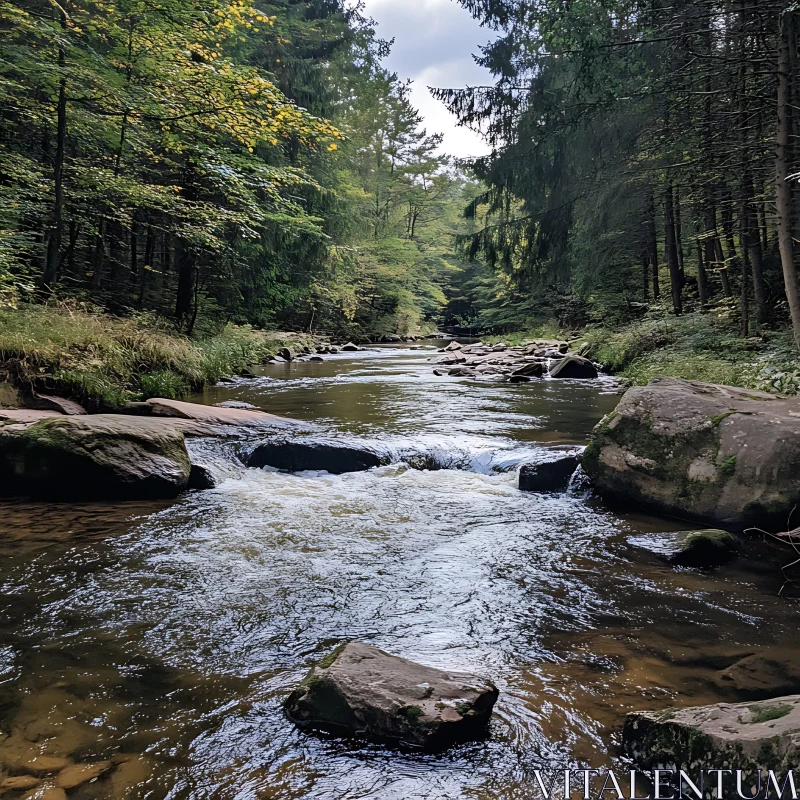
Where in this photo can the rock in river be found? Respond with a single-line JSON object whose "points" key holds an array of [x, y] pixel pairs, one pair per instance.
{"points": [[718, 454], [746, 736], [95, 458], [769, 673], [360, 690], [297, 455], [706, 549], [549, 476], [573, 367]]}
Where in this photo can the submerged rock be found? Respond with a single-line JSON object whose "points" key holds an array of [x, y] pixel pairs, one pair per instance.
{"points": [[95, 458], [316, 455], [706, 549], [573, 367], [549, 476], [360, 690], [715, 453], [749, 737], [769, 673]]}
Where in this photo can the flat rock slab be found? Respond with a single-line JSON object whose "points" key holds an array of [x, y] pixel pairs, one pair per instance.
{"points": [[50, 403], [718, 454], [361, 691], [216, 415], [26, 416], [746, 736]]}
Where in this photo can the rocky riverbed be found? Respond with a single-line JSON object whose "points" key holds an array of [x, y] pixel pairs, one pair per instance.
{"points": [[410, 538]]}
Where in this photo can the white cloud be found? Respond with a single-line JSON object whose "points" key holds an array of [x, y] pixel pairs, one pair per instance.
{"points": [[434, 44]]}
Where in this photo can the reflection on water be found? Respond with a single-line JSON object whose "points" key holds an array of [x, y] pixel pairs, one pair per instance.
{"points": [[164, 638]]}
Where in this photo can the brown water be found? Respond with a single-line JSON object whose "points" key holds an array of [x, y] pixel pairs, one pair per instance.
{"points": [[166, 637]]}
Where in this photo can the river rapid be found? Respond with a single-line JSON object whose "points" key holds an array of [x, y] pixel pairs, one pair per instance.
{"points": [[167, 635]]}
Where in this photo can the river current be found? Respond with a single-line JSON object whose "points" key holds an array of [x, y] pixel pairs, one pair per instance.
{"points": [[166, 636]]}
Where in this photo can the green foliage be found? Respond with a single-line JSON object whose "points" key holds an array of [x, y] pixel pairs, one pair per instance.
{"points": [[766, 713], [105, 361], [163, 383]]}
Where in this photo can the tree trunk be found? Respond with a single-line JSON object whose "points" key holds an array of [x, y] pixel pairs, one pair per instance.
{"points": [[184, 261], [652, 244], [57, 229], [672, 250], [783, 189], [679, 235], [645, 277], [702, 278]]}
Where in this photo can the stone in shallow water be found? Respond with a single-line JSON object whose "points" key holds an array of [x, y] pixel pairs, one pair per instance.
{"points": [[759, 676], [706, 550], [19, 783], [746, 736], [77, 774], [201, 478], [573, 367], [549, 476], [362, 691], [317, 456]]}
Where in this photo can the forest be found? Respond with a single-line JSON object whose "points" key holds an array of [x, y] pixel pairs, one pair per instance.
{"points": [[220, 162], [237, 162]]}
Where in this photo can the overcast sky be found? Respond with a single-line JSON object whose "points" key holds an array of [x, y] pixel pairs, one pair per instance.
{"points": [[434, 43]]}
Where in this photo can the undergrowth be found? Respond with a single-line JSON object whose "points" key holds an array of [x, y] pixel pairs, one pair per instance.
{"points": [[105, 361], [696, 346]]}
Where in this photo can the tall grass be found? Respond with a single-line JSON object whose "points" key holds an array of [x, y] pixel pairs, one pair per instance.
{"points": [[105, 361]]}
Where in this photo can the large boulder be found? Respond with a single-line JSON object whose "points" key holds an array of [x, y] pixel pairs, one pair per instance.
{"points": [[714, 453], [360, 690], [759, 676], [102, 457], [299, 455], [746, 736], [573, 367], [549, 476]]}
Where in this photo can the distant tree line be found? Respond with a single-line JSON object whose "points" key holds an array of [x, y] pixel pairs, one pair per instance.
{"points": [[642, 149]]}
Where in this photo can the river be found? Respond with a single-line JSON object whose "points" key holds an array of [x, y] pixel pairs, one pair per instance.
{"points": [[167, 635]]}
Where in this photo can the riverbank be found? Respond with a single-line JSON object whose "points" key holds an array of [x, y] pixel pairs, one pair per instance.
{"points": [[696, 346], [104, 362]]}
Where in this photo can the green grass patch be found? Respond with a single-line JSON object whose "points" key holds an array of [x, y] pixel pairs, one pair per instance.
{"points": [[769, 713], [728, 468], [105, 361]]}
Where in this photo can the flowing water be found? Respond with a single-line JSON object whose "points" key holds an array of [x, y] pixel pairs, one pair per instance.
{"points": [[166, 636]]}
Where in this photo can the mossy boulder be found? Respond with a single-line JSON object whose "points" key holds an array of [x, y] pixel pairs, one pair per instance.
{"points": [[717, 454], [746, 736], [102, 457], [358, 690], [706, 549]]}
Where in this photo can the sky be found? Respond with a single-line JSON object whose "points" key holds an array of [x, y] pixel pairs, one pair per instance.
{"points": [[434, 43]]}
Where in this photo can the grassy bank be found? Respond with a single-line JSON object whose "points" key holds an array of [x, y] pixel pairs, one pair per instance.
{"points": [[105, 361], [696, 346]]}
